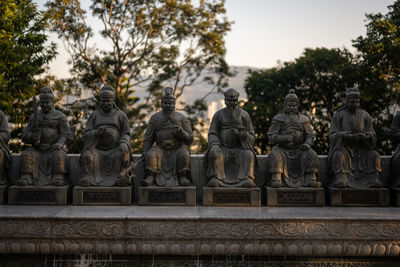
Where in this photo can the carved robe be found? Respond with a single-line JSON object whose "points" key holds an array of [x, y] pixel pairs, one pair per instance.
{"points": [[43, 161], [169, 157], [395, 138], [101, 158], [4, 153], [288, 158], [230, 159], [355, 158]]}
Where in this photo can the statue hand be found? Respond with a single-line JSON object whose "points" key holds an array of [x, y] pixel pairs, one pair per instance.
{"points": [[36, 135], [178, 130], [100, 131], [242, 133], [305, 146], [288, 138], [57, 146], [125, 152]]}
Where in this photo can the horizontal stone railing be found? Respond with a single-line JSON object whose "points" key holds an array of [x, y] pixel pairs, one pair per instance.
{"points": [[197, 171]]}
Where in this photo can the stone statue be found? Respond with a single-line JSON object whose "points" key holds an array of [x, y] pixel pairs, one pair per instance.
{"points": [[394, 135], [168, 161], [45, 162], [353, 159], [4, 152], [292, 162], [230, 158], [106, 154]]}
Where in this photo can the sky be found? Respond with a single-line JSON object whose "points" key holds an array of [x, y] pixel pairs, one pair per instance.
{"points": [[267, 31]]}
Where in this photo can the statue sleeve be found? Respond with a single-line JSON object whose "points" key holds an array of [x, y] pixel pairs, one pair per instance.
{"points": [[27, 131], [65, 133], [308, 134], [149, 136], [251, 135], [187, 135], [213, 131], [395, 135], [4, 129], [273, 132], [125, 130], [369, 128]]}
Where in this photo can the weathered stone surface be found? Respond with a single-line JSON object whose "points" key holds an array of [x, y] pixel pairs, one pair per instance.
{"points": [[3, 193], [99, 196], [290, 197], [38, 195], [167, 196], [320, 231], [231, 197], [371, 197]]}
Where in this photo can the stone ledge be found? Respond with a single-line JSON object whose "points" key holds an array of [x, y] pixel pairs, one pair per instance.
{"points": [[137, 230]]}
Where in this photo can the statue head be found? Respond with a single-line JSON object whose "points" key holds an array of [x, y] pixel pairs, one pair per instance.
{"points": [[46, 99], [107, 98], [291, 103], [353, 99], [168, 100], [231, 98]]}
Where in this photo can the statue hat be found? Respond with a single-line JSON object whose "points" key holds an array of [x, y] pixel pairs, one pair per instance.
{"points": [[231, 93], [168, 93], [107, 91], [46, 93], [352, 92], [291, 96]]}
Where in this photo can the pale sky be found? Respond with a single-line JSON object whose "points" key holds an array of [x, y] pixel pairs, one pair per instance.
{"points": [[266, 31]]}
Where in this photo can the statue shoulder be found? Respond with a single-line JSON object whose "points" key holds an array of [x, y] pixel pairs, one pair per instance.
{"points": [[303, 118], [281, 117], [179, 116], [54, 114], [365, 113], [156, 117]]}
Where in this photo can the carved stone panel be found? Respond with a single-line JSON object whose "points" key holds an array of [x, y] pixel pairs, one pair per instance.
{"points": [[38, 195], [217, 196], [109, 196], [290, 197], [372, 197], [167, 196]]}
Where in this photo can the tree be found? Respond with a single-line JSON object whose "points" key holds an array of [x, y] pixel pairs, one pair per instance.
{"points": [[320, 77], [379, 64], [24, 54], [148, 43]]}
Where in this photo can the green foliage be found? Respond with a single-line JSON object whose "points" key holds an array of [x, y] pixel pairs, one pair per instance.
{"points": [[319, 77], [147, 43], [24, 55]]}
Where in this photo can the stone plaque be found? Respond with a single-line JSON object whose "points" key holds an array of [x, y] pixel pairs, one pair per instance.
{"points": [[38, 195], [292, 197], [225, 196], [109, 196], [3, 193], [358, 197], [99, 197], [167, 196]]}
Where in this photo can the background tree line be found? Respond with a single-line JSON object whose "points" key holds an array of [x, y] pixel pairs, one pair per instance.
{"points": [[320, 77], [152, 44]]}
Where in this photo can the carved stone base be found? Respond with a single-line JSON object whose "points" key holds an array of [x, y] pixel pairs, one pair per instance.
{"points": [[294, 197], [352, 197], [395, 196], [167, 196], [102, 196], [220, 196], [3, 193], [38, 195]]}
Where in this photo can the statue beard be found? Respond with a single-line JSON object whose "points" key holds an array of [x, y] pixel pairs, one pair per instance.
{"points": [[106, 108], [46, 108], [168, 111], [291, 111], [231, 107]]}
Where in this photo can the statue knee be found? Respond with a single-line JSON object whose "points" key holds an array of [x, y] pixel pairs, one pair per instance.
{"points": [[215, 152], [247, 154], [87, 157], [152, 154]]}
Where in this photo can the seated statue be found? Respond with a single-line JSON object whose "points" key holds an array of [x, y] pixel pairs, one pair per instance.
{"points": [[4, 151], [45, 162], [106, 154], [353, 159], [230, 158], [168, 161], [394, 135], [292, 162]]}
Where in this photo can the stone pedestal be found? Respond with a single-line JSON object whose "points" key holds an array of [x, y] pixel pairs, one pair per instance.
{"points": [[3, 193], [167, 196], [294, 197], [221, 196], [102, 196], [352, 197], [38, 195], [395, 196]]}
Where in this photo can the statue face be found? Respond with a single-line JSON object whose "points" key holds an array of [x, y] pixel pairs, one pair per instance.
{"points": [[353, 103], [46, 105], [231, 102], [168, 104], [106, 103], [291, 107]]}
